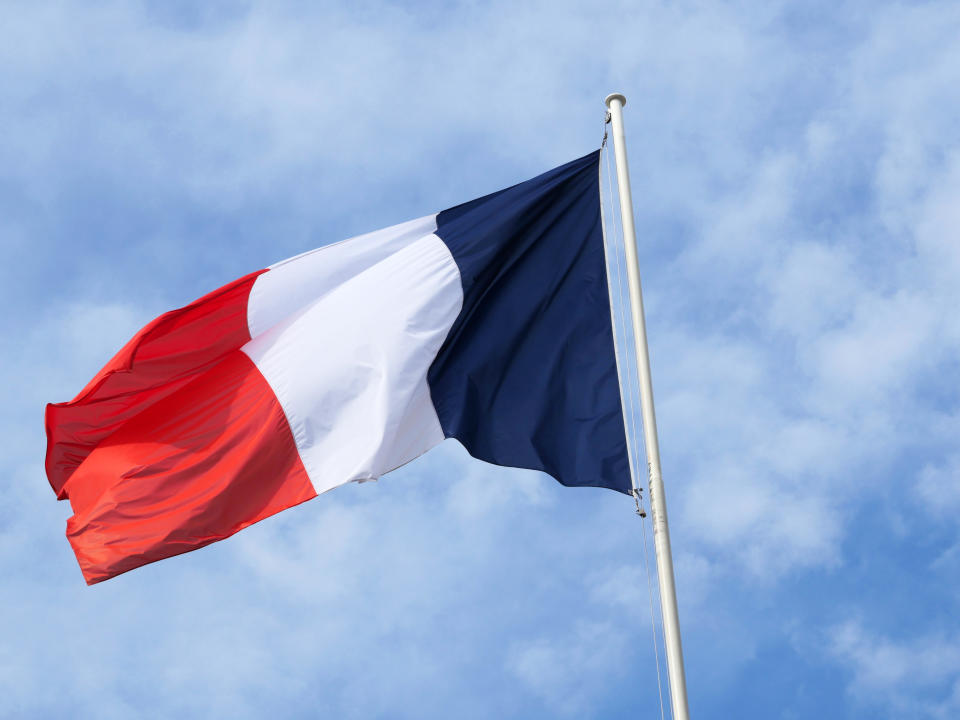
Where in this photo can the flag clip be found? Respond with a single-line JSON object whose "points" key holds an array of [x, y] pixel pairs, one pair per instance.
{"points": [[638, 498]]}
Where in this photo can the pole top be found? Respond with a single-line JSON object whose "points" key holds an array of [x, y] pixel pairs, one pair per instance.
{"points": [[615, 96]]}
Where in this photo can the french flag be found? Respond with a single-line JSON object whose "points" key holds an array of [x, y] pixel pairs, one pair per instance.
{"points": [[489, 322]]}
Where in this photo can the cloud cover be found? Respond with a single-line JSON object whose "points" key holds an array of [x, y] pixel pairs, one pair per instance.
{"points": [[796, 176]]}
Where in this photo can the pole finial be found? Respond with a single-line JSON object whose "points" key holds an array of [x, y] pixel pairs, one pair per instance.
{"points": [[615, 96]]}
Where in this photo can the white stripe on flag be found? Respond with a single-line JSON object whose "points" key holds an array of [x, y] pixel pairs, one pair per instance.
{"points": [[350, 366]]}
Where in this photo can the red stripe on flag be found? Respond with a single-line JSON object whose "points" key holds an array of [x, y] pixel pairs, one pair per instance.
{"points": [[162, 357], [195, 467]]}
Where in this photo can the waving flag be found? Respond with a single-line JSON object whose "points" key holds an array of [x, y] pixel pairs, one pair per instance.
{"points": [[489, 322]]}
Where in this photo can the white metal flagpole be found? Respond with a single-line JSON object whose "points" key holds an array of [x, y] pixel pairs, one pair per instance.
{"points": [[658, 506]]}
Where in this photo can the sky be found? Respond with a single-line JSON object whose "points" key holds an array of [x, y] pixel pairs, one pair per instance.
{"points": [[796, 181]]}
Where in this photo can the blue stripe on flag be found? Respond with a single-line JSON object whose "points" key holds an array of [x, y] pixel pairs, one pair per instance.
{"points": [[527, 375]]}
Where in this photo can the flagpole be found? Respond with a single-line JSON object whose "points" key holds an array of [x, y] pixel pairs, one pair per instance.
{"points": [[658, 505]]}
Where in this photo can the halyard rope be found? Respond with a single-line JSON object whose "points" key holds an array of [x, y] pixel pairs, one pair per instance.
{"points": [[631, 430]]}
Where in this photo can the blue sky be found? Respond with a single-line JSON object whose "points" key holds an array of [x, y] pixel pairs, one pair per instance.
{"points": [[796, 173]]}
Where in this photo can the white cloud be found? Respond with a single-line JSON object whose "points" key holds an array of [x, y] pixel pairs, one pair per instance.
{"points": [[917, 677], [568, 670], [938, 487]]}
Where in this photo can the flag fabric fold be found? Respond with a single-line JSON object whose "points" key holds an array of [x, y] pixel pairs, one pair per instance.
{"points": [[489, 322]]}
